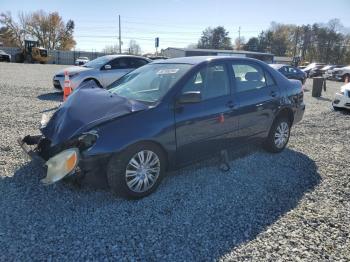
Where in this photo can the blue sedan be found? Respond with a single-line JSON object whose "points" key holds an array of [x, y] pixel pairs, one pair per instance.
{"points": [[164, 115]]}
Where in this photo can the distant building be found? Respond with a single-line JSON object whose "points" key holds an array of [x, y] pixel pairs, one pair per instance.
{"points": [[173, 52], [283, 60]]}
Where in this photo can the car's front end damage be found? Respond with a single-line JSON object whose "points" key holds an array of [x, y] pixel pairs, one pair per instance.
{"points": [[342, 98], [65, 139], [66, 160]]}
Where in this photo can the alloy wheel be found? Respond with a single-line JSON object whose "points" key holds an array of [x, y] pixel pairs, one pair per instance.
{"points": [[142, 171], [281, 135]]}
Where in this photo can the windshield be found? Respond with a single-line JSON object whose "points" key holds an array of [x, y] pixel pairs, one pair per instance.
{"points": [[98, 62], [150, 82]]}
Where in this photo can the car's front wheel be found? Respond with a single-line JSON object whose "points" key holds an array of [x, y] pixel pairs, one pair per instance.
{"points": [[279, 135], [137, 171]]}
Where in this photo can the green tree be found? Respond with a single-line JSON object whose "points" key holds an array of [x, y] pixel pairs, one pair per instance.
{"points": [[215, 38], [253, 44]]}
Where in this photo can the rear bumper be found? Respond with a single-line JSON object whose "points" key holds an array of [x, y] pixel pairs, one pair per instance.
{"points": [[299, 113]]}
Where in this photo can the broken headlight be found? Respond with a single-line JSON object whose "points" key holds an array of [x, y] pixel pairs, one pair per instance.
{"points": [[61, 165]]}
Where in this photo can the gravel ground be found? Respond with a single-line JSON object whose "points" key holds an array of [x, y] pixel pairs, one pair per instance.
{"points": [[290, 206]]}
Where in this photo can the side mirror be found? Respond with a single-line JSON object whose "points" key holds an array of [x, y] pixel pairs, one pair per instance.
{"points": [[190, 97], [107, 67]]}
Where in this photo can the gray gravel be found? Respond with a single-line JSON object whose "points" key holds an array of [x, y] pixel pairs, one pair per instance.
{"points": [[290, 206]]}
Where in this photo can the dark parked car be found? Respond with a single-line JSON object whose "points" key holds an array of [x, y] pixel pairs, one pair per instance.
{"points": [[5, 56], [164, 115], [290, 72]]}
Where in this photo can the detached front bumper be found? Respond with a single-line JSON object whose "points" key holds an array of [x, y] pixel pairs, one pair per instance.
{"points": [[29, 147], [90, 169], [62, 164]]}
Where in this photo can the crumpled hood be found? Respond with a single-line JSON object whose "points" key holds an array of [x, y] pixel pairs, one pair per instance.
{"points": [[74, 69], [85, 108]]}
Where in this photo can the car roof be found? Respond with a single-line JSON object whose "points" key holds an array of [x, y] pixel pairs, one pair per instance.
{"points": [[134, 56], [194, 60]]}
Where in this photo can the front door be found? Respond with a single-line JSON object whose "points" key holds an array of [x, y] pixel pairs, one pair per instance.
{"points": [[119, 67], [204, 127]]}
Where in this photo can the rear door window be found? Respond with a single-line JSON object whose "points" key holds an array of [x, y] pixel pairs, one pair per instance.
{"points": [[249, 77]]}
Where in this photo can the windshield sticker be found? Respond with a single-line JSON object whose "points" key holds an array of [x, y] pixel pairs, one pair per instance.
{"points": [[167, 71]]}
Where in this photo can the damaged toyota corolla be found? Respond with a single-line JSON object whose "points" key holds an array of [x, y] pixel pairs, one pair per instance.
{"points": [[164, 115]]}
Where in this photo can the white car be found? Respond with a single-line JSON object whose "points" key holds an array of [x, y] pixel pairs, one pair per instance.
{"points": [[341, 74], [342, 99], [81, 60], [103, 70]]}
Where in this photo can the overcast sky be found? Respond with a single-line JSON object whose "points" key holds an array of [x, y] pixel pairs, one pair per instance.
{"points": [[177, 23]]}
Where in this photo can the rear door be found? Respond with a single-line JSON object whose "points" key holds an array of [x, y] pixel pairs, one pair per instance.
{"points": [[205, 127], [258, 97]]}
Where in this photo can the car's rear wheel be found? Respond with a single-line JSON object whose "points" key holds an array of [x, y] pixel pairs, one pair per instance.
{"points": [[279, 135], [137, 171]]}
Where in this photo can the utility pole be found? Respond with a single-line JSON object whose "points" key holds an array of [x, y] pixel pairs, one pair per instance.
{"points": [[239, 38], [296, 41], [120, 37]]}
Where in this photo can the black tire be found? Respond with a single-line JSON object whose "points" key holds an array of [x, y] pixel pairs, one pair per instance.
{"points": [[270, 142], [117, 166], [19, 58], [29, 59]]}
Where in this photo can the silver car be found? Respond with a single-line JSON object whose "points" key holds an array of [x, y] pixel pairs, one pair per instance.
{"points": [[103, 70]]}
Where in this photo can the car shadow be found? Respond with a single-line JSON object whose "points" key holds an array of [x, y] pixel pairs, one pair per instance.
{"points": [[198, 212], [324, 99], [53, 96]]}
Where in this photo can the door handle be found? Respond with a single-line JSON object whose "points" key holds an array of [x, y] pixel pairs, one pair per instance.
{"points": [[273, 93], [230, 104]]}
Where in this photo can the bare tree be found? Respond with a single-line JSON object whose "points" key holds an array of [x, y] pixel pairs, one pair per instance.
{"points": [[111, 49], [48, 29], [134, 48], [14, 32]]}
